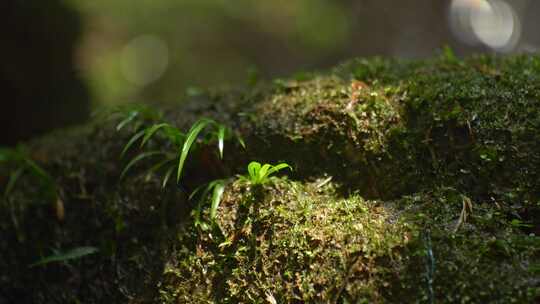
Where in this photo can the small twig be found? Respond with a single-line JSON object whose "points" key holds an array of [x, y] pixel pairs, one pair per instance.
{"points": [[465, 211], [324, 182]]}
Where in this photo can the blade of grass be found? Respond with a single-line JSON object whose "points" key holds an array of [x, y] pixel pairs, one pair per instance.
{"points": [[149, 132], [221, 139], [241, 140], [174, 135], [131, 116], [279, 167], [160, 164], [191, 136], [75, 253], [13, 180], [263, 172], [253, 169], [217, 194], [36, 169], [197, 190], [130, 143], [6, 155], [138, 125], [137, 159], [198, 210], [167, 176]]}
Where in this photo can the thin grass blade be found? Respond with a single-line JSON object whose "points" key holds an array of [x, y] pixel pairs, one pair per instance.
{"points": [[138, 124], [167, 176], [253, 170], [36, 169], [198, 210], [191, 136], [137, 159], [6, 155], [221, 139], [13, 178], [194, 192], [131, 116], [279, 167], [160, 165], [217, 194], [149, 132], [263, 172], [130, 143], [75, 253], [241, 140], [174, 135]]}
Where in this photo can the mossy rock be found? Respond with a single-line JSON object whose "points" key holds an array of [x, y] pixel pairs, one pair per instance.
{"points": [[413, 182]]}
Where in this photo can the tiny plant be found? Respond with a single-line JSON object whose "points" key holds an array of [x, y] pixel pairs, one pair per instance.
{"points": [[73, 254], [19, 163], [167, 161], [181, 144], [216, 188], [172, 159], [260, 174], [135, 115]]}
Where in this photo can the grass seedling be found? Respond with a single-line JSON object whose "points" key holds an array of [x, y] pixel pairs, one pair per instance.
{"points": [[180, 145], [173, 159], [73, 254], [260, 174], [217, 188], [213, 192], [20, 164], [131, 114]]}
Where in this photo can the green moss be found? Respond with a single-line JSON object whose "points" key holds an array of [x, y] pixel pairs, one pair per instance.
{"points": [[437, 156], [292, 242], [478, 259]]}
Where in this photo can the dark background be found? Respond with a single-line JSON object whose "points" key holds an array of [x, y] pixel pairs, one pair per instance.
{"points": [[59, 58]]}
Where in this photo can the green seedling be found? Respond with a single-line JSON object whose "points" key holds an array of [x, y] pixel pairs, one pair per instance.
{"points": [[131, 114], [216, 188], [20, 164], [165, 159], [260, 174], [180, 145], [72, 254], [520, 224]]}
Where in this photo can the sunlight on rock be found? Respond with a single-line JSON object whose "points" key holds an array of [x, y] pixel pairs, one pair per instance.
{"points": [[144, 59], [493, 23]]}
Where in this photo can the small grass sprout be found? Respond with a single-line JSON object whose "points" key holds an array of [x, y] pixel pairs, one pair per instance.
{"points": [[134, 114], [180, 144], [18, 162], [216, 188], [73, 254], [260, 174]]}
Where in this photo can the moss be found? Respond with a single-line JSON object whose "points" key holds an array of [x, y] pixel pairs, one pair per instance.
{"points": [[438, 156], [292, 242], [482, 258]]}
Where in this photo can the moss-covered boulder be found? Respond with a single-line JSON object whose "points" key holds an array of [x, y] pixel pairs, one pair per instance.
{"points": [[413, 182]]}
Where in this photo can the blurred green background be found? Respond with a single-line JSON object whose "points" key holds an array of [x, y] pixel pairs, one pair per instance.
{"points": [[155, 50]]}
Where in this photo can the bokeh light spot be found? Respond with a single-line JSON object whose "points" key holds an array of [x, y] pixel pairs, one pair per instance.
{"points": [[144, 59], [493, 23]]}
